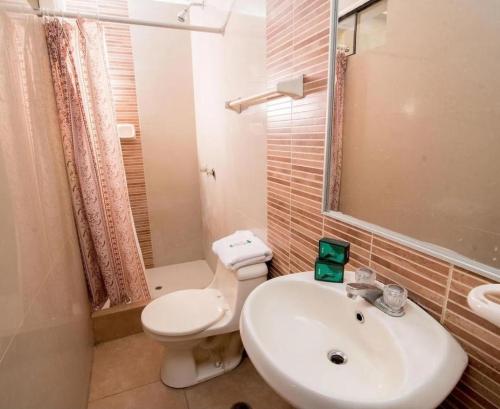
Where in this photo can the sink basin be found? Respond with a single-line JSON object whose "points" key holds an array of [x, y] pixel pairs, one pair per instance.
{"points": [[319, 349]]}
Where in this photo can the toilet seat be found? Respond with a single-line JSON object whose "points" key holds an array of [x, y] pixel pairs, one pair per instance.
{"points": [[184, 312]]}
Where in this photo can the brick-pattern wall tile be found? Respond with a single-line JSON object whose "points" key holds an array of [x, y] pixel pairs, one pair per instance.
{"points": [[480, 385], [297, 43]]}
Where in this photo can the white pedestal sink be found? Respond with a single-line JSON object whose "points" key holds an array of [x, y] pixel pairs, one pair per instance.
{"points": [[292, 325]]}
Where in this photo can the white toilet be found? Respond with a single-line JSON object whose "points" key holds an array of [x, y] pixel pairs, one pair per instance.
{"points": [[199, 328]]}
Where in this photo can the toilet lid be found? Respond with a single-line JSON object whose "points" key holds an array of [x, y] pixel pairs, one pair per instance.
{"points": [[183, 312]]}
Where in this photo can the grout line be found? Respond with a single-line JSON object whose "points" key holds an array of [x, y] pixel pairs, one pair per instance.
{"points": [[290, 105], [186, 398], [350, 236], [289, 66], [383, 270], [418, 253], [446, 294], [474, 323], [371, 251], [125, 390], [415, 269], [91, 372]]}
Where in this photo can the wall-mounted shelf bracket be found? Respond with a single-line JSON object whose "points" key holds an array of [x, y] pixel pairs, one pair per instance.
{"points": [[293, 88]]}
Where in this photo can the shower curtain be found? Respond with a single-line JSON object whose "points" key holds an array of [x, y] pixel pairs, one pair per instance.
{"points": [[109, 247], [34, 193], [338, 119]]}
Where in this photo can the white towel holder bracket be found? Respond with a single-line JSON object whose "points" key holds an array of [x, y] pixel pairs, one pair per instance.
{"points": [[293, 88]]}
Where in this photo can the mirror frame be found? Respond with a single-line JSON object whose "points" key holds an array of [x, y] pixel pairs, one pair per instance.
{"points": [[439, 252]]}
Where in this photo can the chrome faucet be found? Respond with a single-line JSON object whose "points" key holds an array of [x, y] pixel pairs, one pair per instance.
{"points": [[369, 292], [389, 299]]}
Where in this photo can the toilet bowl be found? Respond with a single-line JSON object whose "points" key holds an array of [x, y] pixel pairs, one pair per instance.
{"points": [[199, 328]]}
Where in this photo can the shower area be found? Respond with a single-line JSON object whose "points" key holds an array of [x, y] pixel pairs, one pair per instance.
{"points": [[170, 67], [182, 194], [171, 85], [172, 233]]}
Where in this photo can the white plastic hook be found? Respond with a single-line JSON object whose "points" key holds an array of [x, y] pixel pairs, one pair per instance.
{"points": [[482, 306]]}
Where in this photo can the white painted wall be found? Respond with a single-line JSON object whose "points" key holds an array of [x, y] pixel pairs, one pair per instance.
{"points": [[234, 144], [164, 83]]}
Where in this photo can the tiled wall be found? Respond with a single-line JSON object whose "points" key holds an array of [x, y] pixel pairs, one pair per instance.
{"points": [[121, 66], [297, 35]]}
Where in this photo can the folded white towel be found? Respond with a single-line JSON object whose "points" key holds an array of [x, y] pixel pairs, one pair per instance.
{"points": [[251, 262], [242, 248]]}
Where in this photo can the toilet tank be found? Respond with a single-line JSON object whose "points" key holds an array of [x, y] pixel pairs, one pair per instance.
{"points": [[237, 285], [255, 271]]}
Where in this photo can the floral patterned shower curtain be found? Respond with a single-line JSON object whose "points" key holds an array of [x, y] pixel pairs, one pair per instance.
{"points": [[108, 242], [338, 119]]}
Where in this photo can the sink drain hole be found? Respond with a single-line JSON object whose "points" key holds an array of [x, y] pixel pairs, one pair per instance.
{"points": [[360, 317], [241, 405], [337, 357]]}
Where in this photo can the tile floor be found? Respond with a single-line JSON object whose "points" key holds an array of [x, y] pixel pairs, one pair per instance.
{"points": [[126, 375]]}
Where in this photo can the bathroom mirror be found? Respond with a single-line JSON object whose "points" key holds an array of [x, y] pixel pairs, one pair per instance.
{"points": [[413, 139]]}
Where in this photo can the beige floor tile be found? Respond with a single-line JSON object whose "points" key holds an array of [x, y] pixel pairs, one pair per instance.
{"points": [[124, 364], [152, 396], [243, 384]]}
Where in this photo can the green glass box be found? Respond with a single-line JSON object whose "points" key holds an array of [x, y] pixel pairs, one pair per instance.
{"points": [[334, 250], [325, 270]]}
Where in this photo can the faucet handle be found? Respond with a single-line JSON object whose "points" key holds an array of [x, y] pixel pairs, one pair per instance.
{"points": [[365, 275], [395, 297]]}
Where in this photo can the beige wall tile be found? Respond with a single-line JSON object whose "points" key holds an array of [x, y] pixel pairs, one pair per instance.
{"points": [[295, 131]]}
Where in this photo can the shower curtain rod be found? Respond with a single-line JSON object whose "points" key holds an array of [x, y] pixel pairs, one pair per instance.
{"points": [[120, 20]]}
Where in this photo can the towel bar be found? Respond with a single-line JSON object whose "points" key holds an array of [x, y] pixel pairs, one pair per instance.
{"points": [[293, 88]]}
